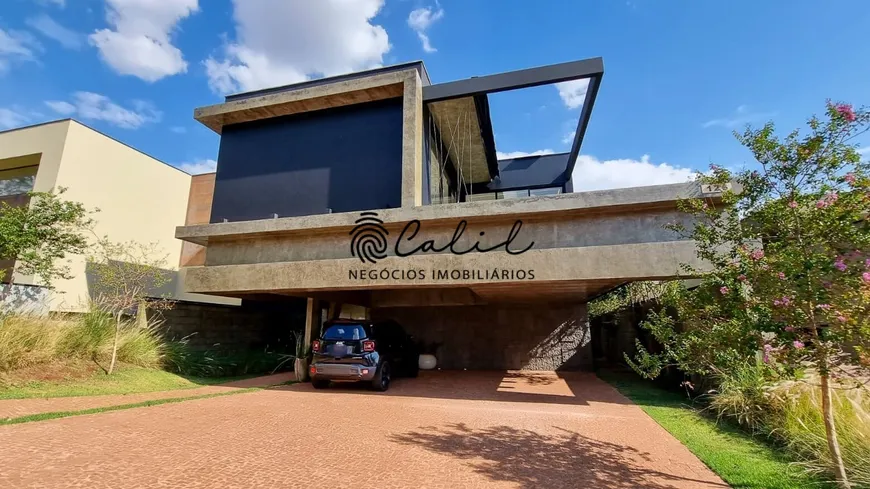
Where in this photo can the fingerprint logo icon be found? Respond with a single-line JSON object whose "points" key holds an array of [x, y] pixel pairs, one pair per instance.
{"points": [[369, 238]]}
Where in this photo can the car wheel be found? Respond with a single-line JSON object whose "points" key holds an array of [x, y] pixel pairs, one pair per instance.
{"points": [[320, 384], [381, 382]]}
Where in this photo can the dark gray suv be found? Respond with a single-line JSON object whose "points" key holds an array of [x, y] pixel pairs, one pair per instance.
{"points": [[362, 351]]}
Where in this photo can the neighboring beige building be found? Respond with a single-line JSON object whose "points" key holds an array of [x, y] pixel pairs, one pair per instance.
{"points": [[139, 198]]}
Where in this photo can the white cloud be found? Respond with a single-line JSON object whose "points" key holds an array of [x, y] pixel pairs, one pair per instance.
{"points": [[569, 138], [593, 174], [573, 92], [521, 154], [17, 46], [741, 116], [61, 107], [10, 118], [863, 151], [93, 106], [286, 42], [49, 28], [420, 20], [200, 166], [141, 42]]}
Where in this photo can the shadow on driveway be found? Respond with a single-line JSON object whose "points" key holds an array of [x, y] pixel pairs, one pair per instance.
{"points": [[531, 459]]}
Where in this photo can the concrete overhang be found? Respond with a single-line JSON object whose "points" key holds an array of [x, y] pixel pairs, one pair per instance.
{"points": [[323, 93], [585, 203], [567, 247], [562, 274]]}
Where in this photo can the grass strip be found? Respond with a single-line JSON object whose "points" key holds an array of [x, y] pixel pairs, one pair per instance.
{"points": [[155, 402], [738, 458], [129, 380]]}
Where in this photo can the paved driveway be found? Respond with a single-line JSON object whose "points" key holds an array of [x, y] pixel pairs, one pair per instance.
{"points": [[457, 429]]}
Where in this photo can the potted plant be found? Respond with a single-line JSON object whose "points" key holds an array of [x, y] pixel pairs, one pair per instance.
{"points": [[300, 365], [428, 359]]}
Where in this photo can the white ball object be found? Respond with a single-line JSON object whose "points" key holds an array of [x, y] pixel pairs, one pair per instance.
{"points": [[427, 362]]}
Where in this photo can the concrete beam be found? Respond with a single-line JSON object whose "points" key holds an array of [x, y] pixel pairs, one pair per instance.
{"points": [[587, 203], [412, 141], [312, 320], [617, 263]]}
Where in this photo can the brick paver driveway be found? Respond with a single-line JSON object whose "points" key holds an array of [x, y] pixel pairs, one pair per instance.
{"points": [[457, 429]]}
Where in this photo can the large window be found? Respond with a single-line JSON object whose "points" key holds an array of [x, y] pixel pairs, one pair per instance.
{"points": [[17, 181], [344, 159]]}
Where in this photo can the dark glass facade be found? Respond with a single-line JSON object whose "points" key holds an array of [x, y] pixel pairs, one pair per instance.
{"points": [[346, 159]]}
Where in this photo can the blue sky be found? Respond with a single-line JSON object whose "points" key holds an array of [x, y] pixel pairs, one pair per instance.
{"points": [[679, 75]]}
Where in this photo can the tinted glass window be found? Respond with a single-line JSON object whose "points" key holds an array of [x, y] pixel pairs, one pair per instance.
{"points": [[346, 159], [17, 181], [345, 332]]}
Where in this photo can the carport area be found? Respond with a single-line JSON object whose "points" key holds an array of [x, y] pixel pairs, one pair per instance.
{"points": [[444, 429]]}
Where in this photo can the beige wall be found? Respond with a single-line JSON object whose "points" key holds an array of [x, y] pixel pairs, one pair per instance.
{"points": [[44, 143], [46, 140], [139, 199]]}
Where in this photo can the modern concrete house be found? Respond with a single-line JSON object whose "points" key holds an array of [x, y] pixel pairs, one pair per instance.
{"points": [[380, 194], [138, 198]]}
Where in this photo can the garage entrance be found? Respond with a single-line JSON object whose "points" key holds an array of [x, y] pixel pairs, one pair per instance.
{"points": [[499, 335]]}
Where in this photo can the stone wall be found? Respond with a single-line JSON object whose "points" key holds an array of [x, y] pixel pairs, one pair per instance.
{"points": [[253, 325], [529, 337]]}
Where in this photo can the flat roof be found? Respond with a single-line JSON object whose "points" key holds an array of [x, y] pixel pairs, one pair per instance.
{"points": [[101, 133], [424, 75], [444, 101]]}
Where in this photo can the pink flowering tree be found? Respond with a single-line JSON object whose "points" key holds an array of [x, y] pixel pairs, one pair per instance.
{"points": [[788, 249]]}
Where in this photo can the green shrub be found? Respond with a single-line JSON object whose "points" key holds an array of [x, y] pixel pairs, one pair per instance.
{"points": [[181, 359], [27, 341], [141, 346], [790, 413], [221, 362], [742, 396], [796, 420], [86, 335]]}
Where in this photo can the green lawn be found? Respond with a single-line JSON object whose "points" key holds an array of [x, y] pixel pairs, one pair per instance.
{"points": [[742, 461], [128, 380], [156, 402]]}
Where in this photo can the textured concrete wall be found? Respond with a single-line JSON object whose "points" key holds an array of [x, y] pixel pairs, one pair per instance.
{"points": [[198, 212], [546, 232], [531, 337], [254, 325]]}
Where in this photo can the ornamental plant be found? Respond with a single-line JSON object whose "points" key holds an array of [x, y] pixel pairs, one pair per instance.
{"points": [[787, 275], [41, 236], [128, 277]]}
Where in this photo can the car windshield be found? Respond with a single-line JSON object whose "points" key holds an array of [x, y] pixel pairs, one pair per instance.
{"points": [[344, 332]]}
